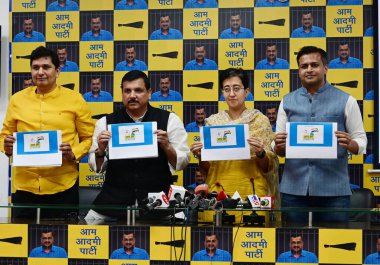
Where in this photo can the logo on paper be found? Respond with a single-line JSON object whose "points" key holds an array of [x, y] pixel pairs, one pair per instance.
{"points": [[35, 143], [223, 136], [309, 134], [130, 135]]}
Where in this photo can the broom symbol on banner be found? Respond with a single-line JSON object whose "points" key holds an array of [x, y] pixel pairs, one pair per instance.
{"points": [[69, 85], [351, 84], [346, 246], [207, 85], [276, 22], [137, 25], [174, 243], [172, 55], [12, 240], [23, 57]]}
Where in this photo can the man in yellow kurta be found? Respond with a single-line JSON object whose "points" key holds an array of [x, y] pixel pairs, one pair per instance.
{"points": [[47, 106]]}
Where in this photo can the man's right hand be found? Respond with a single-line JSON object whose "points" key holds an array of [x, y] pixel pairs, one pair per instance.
{"points": [[8, 145], [195, 148], [103, 139], [280, 144]]}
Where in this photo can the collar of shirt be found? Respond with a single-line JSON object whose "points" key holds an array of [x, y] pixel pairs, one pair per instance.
{"points": [[301, 255], [203, 63], [216, 253], [133, 250], [100, 33], [53, 249], [32, 34], [133, 64], [52, 94], [170, 32], [138, 119], [275, 61], [320, 90], [312, 29], [349, 60]]}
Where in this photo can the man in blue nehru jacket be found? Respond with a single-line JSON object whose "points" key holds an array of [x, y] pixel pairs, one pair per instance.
{"points": [[318, 182], [129, 251], [296, 253], [345, 60]]}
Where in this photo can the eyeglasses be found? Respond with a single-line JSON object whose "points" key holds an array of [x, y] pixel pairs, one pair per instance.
{"points": [[227, 89]]}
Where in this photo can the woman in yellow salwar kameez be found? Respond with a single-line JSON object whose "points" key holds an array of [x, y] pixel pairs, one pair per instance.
{"points": [[258, 175]]}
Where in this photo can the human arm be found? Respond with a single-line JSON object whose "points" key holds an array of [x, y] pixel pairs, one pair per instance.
{"points": [[97, 155], [196, 150], [355, 138], [280, 139], [9, 127], [257, 144], [177, 138]]}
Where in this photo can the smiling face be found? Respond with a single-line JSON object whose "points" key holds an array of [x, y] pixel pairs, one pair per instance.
{"points": [[96, 24], [211, 243], [47, 240], [62, 55], [128, 242], [165, 84], [272, 115], [234, 93], [344, 52], [130, 54], [44, 74], [235, 22], [200, 115], [307, 21], [165, 23], [296, 244], [135, 96], [96, 85], [271, 52], [28, 26], [311, 70], [200, 53]]}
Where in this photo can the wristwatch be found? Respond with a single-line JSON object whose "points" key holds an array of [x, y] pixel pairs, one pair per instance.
{"points": [[262, 154], [97, 153]]}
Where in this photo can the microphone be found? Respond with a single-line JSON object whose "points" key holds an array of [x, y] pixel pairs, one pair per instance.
{"points": [[155, 200], [350, 84], [267, 202], [12, 240], [276, 22], [172, 55], [200, 192], [254, 200], [346, 246], [137, 24], [207, 85]]}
